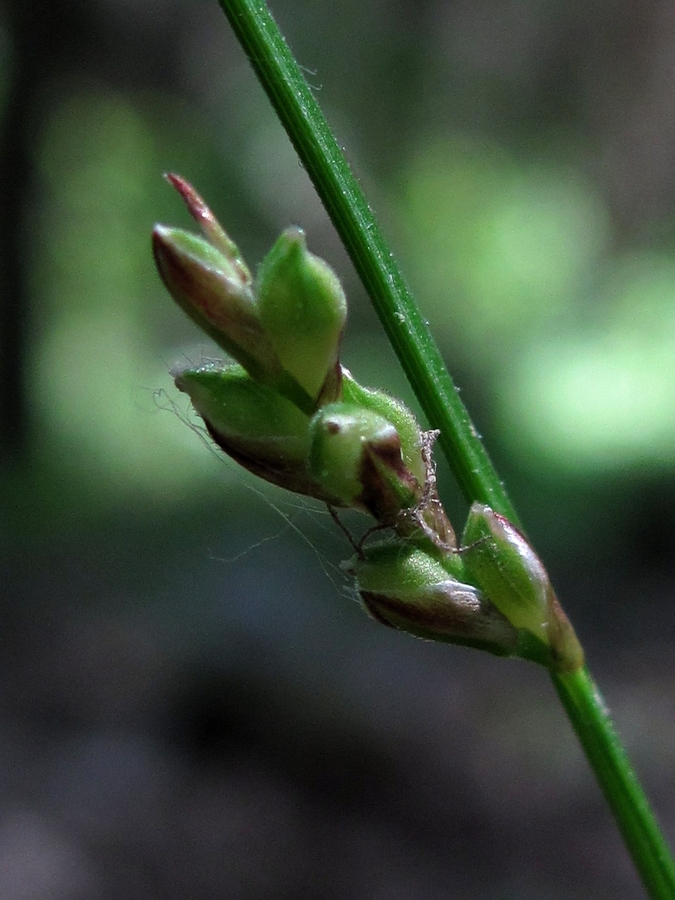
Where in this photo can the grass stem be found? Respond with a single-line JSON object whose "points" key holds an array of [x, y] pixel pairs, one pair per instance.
{"points": [[415, 347]]}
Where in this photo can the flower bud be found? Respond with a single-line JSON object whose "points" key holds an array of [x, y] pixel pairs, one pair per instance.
{"points": [[302, 309], [406, 588], [429, 516], [256, 426], [502, 563], [207, 285], [405, 423], [355, 454]]}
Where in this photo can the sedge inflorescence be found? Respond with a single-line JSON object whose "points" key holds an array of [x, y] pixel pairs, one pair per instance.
{"points": [[285, 408]]}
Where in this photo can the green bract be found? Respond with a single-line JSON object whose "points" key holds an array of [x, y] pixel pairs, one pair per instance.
{"points": [[395, 412], [501, 561], [303, 311], [208, 288], [259, 428], [356, 454], [406, 588]]}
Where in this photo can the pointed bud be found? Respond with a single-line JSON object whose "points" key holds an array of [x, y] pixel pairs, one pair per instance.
{"points": [[253, 424], [408, 589], [355, 455], [207, 286], [303, 310], [211, 228], [397, 413], [416, 446], [502, 563]]}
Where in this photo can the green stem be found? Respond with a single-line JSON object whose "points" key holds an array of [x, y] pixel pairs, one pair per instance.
{"points": [[640, 830], [355, 222], [409, 334]]}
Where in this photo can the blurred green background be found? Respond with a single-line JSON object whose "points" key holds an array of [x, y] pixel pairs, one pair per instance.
{"points": [[192, 705]]}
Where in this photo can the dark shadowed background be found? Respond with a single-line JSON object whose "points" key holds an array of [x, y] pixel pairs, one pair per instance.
{"points": [[192, 704]]}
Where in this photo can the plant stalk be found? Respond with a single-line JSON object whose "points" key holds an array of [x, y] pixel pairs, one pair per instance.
{"points": [[639, 827], [420, 358], [359, 231]]}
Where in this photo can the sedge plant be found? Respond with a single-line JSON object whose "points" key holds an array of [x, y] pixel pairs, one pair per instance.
{"points": [[285, 408]]}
